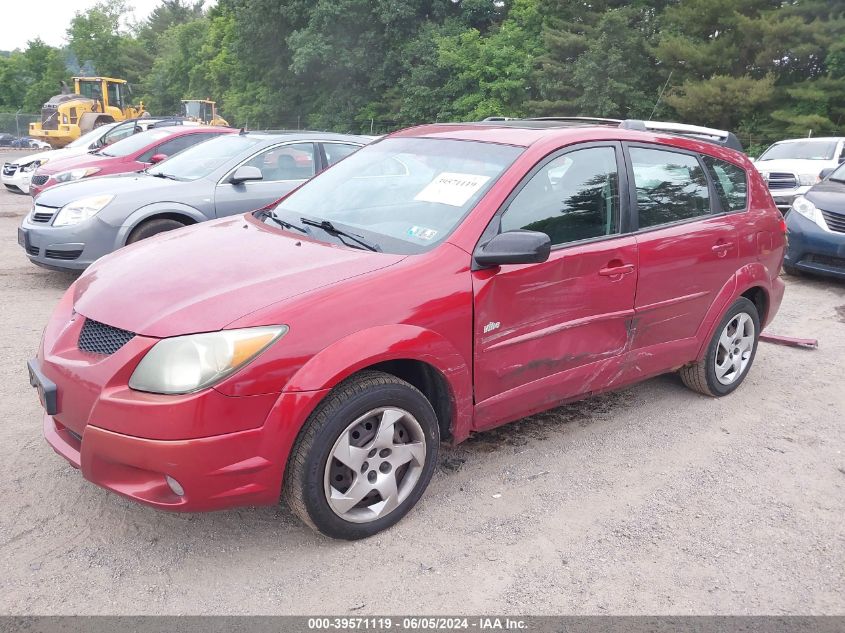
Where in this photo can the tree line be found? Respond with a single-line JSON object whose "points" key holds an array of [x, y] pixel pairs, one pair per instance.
{"points": [[766, 69]]}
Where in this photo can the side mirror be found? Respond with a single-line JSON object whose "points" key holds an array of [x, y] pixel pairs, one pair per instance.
{"points": [[824, 173], [157, 158], [514, 247], [245, 173]]}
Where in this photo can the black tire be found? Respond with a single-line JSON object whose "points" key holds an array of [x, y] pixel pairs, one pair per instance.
{"points": [[701, 376], [305, 486], [153, 227], [791, 270]]}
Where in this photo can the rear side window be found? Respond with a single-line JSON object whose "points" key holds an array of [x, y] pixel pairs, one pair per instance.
{"points": [[730, 181], [671, 187], [174, 146], [573, 197], [338, 151]]}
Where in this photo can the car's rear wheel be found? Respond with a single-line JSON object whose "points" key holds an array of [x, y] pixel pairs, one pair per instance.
{"points": [[153, 227], [730, 352], [364, 457]]}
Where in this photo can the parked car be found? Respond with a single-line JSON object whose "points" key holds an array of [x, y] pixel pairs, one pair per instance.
{"points": [[791, 167], [17, 174], [72, 225], [816, 224], [131, 154], [26, 142], [7, 140], [444, 280]]}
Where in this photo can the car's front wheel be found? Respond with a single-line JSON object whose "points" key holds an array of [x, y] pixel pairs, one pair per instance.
{"points": [[730, 352], [364, 457]]}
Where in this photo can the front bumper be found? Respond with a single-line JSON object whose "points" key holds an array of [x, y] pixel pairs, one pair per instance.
{"points": [[214, 472], [785, 197], [12, 176], [224, 451], [72, 247], [812, 249]]}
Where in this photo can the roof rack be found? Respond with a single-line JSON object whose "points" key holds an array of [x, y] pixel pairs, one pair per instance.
{"points": [[710, 135]]}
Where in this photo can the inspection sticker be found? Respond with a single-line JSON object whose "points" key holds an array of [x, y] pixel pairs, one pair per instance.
{"points": [[422, 233], [452, 188]]}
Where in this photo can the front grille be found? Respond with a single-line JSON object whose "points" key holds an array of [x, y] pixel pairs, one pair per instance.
{"points": [[32, 250], [826, 260], [99, 338], [65, 255], [834, 221], [778, 180], [39, 180], [9, 169], [40, 216], [49, 118]]}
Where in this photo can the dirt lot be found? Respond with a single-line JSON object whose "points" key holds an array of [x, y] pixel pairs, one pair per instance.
{"points": [[650, 500]]}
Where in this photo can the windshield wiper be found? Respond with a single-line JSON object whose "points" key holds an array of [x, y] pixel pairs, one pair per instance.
{"points": [[268, 213], [330, 228], [163, 175]]}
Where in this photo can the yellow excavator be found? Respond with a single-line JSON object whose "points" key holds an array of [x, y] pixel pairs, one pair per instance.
{"points": [[202, 111], [94, 101]]}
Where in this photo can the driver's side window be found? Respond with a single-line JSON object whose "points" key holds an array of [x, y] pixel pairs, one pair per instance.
{"points": [[573, 197]]}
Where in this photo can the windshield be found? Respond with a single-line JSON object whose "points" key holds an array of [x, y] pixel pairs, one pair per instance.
{"points": [[404, 194], [136, 142], [89, 137], [839, 174], [201, 160], [801, 150]]}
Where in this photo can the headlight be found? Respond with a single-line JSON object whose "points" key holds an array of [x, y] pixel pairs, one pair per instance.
{"points": [[80, 210], [33, 165], [808, 210], [183, 364], [807, 180], [76, 174]]}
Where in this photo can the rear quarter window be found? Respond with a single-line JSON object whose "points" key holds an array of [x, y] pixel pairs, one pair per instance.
{"points": [[731, 183]]}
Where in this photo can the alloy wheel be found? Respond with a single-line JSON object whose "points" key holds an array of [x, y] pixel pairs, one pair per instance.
{"points": [[736, 345]]}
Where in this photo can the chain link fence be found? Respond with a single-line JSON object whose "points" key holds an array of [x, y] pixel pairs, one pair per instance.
{"points": [[17, 123]]}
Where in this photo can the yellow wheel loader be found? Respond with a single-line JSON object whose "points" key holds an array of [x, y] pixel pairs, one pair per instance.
{"points": [[94, 101], [202, 111]]}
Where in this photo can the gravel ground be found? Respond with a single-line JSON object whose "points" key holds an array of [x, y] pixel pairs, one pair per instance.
{"points": [[651, 500]]}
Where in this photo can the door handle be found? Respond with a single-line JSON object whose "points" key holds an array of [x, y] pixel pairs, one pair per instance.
{"points": [[721, 248], [617, 270]]}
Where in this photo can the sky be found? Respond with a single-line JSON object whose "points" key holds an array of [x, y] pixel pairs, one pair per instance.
{"points": [[21, 21]]}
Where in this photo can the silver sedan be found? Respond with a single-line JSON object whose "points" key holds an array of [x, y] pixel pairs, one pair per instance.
{"points": [[72, 225]]}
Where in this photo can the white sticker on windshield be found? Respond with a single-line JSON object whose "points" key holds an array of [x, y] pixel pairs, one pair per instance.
{"points": [[422, 233], [451, 188]]}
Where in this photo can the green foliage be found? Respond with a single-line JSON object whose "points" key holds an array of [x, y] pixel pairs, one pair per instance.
{"points": [[766, 69]]}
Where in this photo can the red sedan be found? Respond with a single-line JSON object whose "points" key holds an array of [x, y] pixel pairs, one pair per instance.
{"points": [[133, 153], [442, 281]]}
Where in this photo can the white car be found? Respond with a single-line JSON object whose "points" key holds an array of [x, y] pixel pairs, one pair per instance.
{"points": [[791, 167], [17, 174]]}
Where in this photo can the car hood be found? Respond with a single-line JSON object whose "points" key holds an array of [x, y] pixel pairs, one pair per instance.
{"points": [[794, 166], [77, 162], [203, 277], [828, 195], [138, 184], [50, 155]]}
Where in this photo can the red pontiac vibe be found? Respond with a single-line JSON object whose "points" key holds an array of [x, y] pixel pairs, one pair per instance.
{"points": [[444, 280], [132, 153]]}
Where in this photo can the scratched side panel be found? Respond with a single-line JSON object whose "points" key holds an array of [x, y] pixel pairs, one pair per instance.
{"points": [[548, 325]]}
